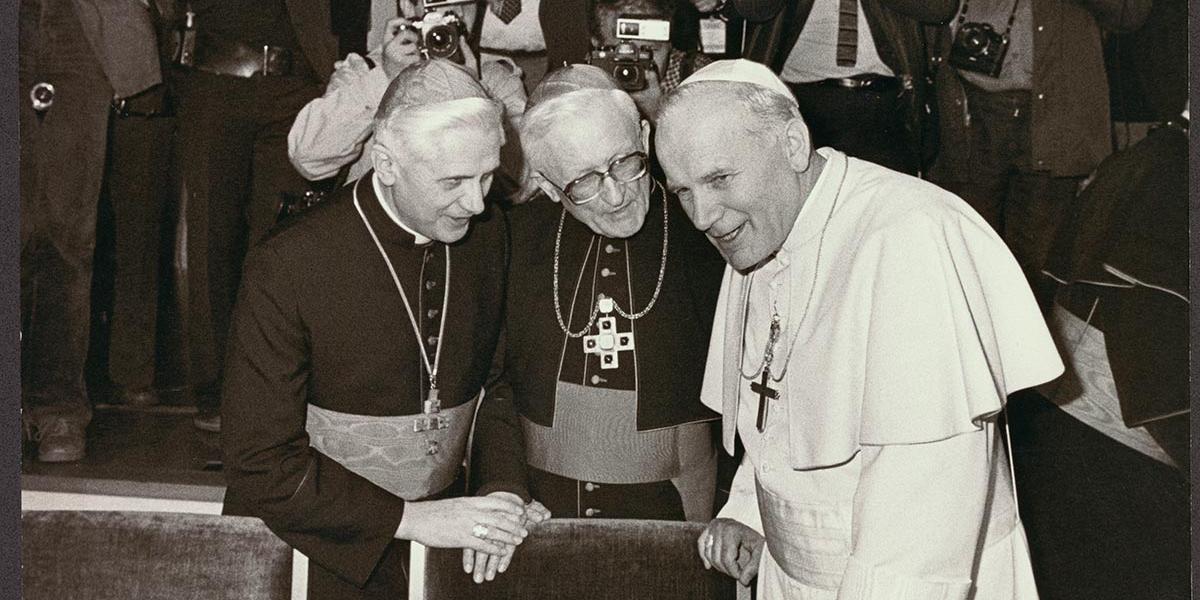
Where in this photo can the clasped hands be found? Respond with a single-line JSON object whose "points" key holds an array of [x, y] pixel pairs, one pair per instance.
{"points": [[487, 528], [732, 547]]}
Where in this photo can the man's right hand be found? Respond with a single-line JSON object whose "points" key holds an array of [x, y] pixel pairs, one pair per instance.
{"points": [[731, 547], [400, 48], [451, 523]]}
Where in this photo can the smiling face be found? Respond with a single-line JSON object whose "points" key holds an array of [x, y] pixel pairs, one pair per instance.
{"points": [[437, 179], [740, 186], [585, 133]]}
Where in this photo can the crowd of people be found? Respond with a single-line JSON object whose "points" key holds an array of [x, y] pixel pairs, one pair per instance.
{"points": [[536, 282]]}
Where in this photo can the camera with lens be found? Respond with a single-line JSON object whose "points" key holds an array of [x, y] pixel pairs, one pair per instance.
{"points": [[439, 34], [626, 62], [979, 48]]}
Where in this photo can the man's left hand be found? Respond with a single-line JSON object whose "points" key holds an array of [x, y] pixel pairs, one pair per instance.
{"points": [[485, 567]]}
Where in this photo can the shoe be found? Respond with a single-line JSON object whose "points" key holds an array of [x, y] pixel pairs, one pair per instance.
{"points": [[210, 422], [136, 397], [60, 440]]}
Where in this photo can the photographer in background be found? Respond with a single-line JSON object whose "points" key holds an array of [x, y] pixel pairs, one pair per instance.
{"points": [[75, 58], [244, 68], [331, 131], [1028, 118], [647, 26], [857, 68]]}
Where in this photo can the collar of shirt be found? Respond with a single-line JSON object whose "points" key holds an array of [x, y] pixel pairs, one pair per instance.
{"points": [[813, 215], [387, 208]]}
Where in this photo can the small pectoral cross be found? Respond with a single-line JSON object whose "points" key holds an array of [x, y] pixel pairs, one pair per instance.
{"points": [[764, 391], [432, 420], [763, 388]]}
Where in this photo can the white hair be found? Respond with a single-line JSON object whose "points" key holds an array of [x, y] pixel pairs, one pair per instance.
{"points": [[547, 116], [408, 128]]}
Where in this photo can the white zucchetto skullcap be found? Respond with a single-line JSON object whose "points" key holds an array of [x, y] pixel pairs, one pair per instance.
{"points": [[745, 71]]}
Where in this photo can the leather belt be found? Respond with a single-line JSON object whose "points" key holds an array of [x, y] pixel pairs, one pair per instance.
{"points": [[238, 59], [862, 82]]}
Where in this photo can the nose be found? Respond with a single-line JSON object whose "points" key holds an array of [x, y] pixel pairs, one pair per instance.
{"points": [[612, 193], [472, 200], [704, 212]]}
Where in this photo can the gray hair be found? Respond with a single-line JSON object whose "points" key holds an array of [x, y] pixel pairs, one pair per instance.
{"points": [[546, 116]]}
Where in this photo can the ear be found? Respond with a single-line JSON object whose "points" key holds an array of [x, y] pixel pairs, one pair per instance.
{"points": [[645, 127], [548, 189], [797, 144], [384, 164]]}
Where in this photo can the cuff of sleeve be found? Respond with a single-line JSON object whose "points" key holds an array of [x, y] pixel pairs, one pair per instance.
{"points": [[390, 512], [505, 486], [869, 582]]}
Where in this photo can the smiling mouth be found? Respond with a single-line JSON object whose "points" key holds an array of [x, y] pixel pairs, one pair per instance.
{"points": [[729, 237]]}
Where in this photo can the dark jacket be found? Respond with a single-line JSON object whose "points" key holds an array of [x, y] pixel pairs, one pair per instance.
{"points": [[319, 321], [122, 35], [896, 27], [1069, 120]]}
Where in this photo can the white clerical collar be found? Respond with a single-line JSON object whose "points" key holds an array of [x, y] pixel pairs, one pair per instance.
{"points": [[813, 215], [391, 212]]}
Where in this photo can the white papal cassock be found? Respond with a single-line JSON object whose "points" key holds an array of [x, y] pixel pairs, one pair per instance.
{"points": [[881, 472]]}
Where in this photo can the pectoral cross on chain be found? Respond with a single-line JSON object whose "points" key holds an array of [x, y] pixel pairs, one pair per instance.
{"points": [[763, 387]]}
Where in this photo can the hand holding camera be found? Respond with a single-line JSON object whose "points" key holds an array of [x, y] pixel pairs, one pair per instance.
{"points": [[400, 47]]}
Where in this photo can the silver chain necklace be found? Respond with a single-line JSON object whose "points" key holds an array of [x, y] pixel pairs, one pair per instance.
{"points": [[769, 353], [662, 269]]}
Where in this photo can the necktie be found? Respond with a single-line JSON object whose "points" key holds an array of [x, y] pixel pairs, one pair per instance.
{"points": [[847, 42], [507, 10]]}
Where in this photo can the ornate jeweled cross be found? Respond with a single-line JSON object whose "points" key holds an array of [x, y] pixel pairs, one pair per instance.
{"points": [[762, 387], [607, 343]]}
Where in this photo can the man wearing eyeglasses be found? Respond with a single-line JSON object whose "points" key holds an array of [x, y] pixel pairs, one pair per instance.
{"points": [[610, 298]]}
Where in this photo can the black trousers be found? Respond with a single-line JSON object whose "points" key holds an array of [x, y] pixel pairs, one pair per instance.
{"points": [[140, 192], [62, 163], [1024, 205], [864, 123], [232, 152]]}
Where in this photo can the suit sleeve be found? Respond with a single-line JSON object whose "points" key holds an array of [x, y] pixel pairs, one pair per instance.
{"points": [[330, 131], [335, 517]]}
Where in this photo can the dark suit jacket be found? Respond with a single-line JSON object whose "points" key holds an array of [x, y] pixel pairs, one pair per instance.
{"points": [[122, 36]]}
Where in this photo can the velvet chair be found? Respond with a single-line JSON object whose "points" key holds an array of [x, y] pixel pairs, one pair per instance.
{"points": [[149, 555], [584, 559]]}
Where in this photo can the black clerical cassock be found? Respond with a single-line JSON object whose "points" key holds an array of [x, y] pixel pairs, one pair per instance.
{"points": [[327, 431], [610, 415]]}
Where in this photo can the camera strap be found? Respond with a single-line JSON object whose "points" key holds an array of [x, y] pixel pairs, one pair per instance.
{"points": [[1012, 16]]}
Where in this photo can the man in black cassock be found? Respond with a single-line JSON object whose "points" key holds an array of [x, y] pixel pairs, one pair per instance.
{"points": [[610, 300], [362, 339]]}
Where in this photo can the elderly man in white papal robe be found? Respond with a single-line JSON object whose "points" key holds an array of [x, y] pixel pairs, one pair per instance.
{"points": [[869, 328]]}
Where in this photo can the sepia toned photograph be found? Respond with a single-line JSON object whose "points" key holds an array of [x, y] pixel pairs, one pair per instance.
{"points": [[603, 299]]}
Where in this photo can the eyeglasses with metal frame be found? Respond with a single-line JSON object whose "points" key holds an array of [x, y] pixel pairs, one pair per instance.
{"points": [[623, 169]]}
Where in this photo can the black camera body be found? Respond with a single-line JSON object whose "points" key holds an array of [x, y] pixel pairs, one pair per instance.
{"points": [[979, 48], [626, 62], [439, 34]]}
